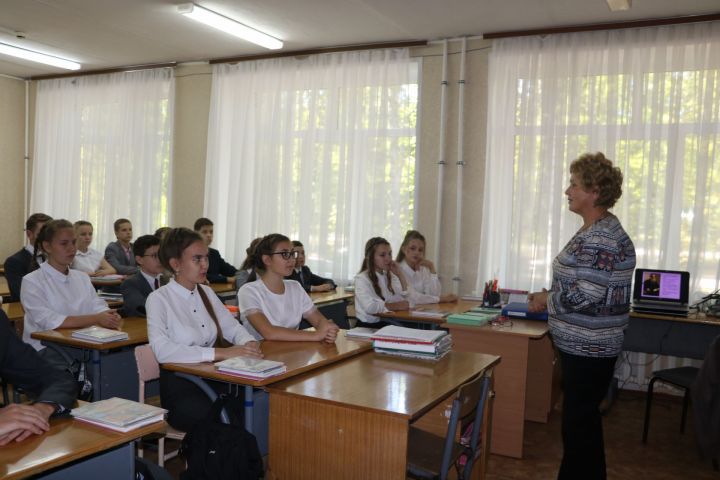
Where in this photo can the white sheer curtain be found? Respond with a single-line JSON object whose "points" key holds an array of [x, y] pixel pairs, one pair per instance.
{"points": [[321, 149], [103, 147], [650, 100]]}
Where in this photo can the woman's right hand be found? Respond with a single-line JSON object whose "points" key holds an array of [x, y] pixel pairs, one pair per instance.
{"points": [[397, 306], [109, 319]]}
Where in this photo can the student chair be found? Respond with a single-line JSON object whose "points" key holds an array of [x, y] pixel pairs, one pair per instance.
{"points": [[148, 369], [431, 456], [681, 377]]}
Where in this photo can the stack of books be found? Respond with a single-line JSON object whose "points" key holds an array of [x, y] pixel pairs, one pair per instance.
{"points": [[111, 297], [431, 311], [360, 333], [412, 343], [99, 334], [253, 368], [474, 317], [119, 414]]}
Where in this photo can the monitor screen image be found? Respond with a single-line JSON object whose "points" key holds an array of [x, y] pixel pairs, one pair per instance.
{"points": [[662, 285]]}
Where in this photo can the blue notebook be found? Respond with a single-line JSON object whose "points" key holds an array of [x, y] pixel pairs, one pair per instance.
{"points": [[520, 310]]}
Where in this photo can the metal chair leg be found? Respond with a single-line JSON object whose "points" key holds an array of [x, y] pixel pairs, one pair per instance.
{"points": [[648, 402]]}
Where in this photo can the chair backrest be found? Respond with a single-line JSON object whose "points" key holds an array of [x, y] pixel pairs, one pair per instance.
{"points": [[468, 409], [147, 367]]}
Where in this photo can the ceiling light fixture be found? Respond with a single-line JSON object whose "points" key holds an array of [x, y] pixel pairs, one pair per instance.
{"points": [[619, 5], [228, 25], [38, 57]]}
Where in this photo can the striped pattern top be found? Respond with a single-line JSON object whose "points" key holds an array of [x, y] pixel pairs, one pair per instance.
{"points": [[589, 302]]}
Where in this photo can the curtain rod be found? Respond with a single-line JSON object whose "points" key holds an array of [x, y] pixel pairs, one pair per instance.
{"points": [[316, 51], [129, 68], [606, 26]]}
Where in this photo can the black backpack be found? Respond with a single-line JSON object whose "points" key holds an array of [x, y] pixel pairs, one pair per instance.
{"points": [[216, 451]]}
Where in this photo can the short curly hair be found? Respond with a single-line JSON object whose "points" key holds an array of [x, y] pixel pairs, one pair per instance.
{"points": [[595, 171]]}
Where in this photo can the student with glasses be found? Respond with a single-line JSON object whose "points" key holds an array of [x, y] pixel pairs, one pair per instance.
{"points": [[136, 288], [273, 307], [187, 323]]}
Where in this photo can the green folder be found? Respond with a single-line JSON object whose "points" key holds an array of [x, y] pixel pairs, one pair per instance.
{"points": [[475, 320]]}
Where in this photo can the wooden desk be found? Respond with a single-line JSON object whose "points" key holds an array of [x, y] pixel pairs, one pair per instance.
{"points": [[14, 311], [113, 368], [4, 288], [223, 287], [687, 337], [333, 305], [523, 381], [299, 358], [95, 452], [409, 316], [356, 414]]}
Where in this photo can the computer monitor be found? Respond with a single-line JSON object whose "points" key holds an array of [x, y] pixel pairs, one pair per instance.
{"points": [[661, 286]]}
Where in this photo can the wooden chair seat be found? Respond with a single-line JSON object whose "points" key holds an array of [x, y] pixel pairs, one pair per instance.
{"points": [[425, 453]]}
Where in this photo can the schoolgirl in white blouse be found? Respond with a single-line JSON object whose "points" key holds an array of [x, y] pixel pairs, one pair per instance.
{"points": [[380, 286], [187, 323], [87, 259], [419, 271], [272, 306], [54, 296]]}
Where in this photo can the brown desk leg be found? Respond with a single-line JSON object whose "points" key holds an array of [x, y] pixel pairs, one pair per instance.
{"points": [[311, 439], [508, 421], [541, 361]]}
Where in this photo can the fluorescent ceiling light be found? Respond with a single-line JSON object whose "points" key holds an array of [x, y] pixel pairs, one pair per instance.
{"points": [[228, 25], [38, 57], [619, 5]]}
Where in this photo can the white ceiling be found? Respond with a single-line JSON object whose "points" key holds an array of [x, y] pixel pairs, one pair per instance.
{"points": [[111, 33]]}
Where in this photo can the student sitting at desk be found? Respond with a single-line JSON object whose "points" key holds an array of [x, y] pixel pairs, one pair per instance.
{"points": [[302, 274], [119, 254], [419, 271], [53, 390], [88, 259], [247, 269], [135, 289], [219, 271], [272, 306], [187, 323], [55, 296], [19, 264], [380, 286]]}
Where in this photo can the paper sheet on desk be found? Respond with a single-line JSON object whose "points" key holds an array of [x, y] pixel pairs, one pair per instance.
{"points": [[517, 298]]}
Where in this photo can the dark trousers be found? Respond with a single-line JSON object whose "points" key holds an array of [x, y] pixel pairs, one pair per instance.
{"points": [[187, 404], [585, 383]]}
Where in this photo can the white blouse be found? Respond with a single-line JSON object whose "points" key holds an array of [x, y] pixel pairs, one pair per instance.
{"points": [[88, 262], [368, 303], [180, 329], [284, 310], [48, 297], [425, 284]]}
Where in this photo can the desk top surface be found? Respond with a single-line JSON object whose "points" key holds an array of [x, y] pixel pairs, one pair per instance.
{"points": [[320, 298], [399, 386], [698, 318], [514, 326], [460, 306], [14, 310], [4, 288], [66, 441], [223, 287], [299, 357], [135, 327]]}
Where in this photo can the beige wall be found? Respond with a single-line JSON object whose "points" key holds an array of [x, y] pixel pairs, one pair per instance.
{"points": [[192, 105], [12, 132]]}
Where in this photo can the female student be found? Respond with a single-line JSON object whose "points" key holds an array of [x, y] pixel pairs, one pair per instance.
{"points": [[55, 296], [380, 286], [246, 273], [272, 306], [419, 271], [88, 259], [187, 323], [302, 274]]}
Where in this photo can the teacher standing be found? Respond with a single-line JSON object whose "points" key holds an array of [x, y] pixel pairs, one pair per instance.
{"points": [[588, 308]]}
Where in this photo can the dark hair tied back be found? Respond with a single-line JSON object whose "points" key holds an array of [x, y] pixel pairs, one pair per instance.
{"points": [[267, 247], [46, 234], [174, 244]]}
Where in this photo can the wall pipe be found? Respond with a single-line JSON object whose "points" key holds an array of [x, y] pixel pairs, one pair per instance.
{"points": [[441, 157], [460, 166], [26, 156]]}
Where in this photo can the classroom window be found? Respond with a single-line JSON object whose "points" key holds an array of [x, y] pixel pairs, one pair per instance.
{"points": [[103, 150], [320, 149], [647, 98]]}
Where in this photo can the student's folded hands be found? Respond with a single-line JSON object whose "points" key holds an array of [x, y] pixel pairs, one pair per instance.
{"points": [[17, 422]]}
